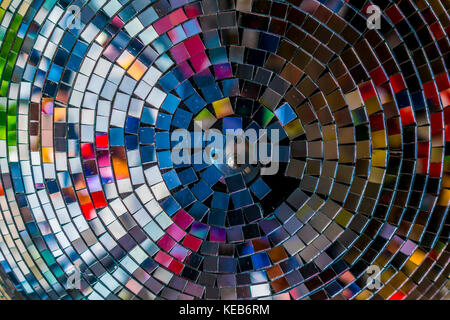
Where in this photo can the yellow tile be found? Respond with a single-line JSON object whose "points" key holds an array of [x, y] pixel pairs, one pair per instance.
{"points": [[59, 114], [372, 105], [417, 257], [395, 141], [294, 129], [444, 198], [379, 139], [344, 217], [222, 108], [376, 175], [379, 158], [436, 155], [47, 155], [364, 295]]}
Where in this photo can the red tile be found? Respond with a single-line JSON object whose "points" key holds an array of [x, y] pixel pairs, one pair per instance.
{"points": [[378, 76], [88, 210], [176, 232], [166, 242], [394, 14], [87, 151], [407, 116], [200, 61], [397, 82], [376, 122], [101, 141], [398, 296], [367, 90], [176, 266], [99, 199], [192, 242], [436, 122], [423, 149], [193, 10], [435, 170]]}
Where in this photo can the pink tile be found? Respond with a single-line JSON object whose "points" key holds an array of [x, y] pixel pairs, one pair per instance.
{"points": [[176, 232]]}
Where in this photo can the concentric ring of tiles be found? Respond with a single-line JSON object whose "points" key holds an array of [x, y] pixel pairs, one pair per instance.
{"points": [[86, 177]]}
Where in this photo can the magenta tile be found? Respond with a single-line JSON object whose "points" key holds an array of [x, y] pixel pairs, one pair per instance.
{"points": [[179, 53], [117, 22], [103, 158], [200, 62], [184, 71], [176, 232], [166, 243], [194, 45], [217, 234], [223, 71], [163, 25], [193, 10], [183, 219]]}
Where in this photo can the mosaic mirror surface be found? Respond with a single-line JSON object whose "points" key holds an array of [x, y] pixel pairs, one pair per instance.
{"points": [[92, 90]]}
